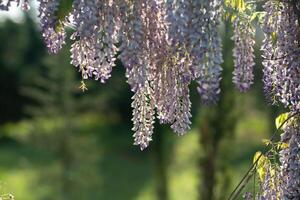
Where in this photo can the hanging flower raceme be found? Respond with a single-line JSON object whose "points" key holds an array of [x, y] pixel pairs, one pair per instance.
{"points": [[243, 54], [95, 38], [270, 28], [5, 5], [136, 59], [164, 45], [178, 33], [161, 58], [143, 116], [270, 188], [290, 161], [52, 28], [210, 71], [281, 52]]}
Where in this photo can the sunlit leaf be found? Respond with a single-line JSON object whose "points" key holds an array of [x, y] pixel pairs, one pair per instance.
{"points": [[257, 15], [282, 145], [261, 166], [236, 4], [266, 142], [281, 119], [274, 37]]}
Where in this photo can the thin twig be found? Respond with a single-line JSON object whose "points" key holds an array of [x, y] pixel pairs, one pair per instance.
{"points": [[248, 174], [254, 181]]}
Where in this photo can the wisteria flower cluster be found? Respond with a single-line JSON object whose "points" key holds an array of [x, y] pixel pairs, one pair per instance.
{"points": [[5, 5], [164, 45], [290, 161], [270, 187], [243, 54], [281, 50]]}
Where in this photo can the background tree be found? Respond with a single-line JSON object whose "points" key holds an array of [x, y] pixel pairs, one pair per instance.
{"points": [[213, 133]]}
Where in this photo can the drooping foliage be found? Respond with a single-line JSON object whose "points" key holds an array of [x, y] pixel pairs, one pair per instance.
{"points": [[281, 53]]}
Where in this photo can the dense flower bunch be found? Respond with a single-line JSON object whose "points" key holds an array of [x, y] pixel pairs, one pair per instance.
{"points": [[290, 161], [7, 4], [52, 29], [210, 73], [243, 54], [165, 45], [164, 49], [97, 24], [281, 50], [270, 189]]}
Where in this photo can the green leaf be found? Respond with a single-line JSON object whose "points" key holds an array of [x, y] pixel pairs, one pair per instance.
{"points": [[259, 15], [241, 6], [230, 3], [238, 5], [261, 165], [282, 145], [281, 119], [274, 37], [266, 142]]}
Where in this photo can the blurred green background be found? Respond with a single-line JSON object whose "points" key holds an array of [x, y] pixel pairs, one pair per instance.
{"points": [[57, 142]]}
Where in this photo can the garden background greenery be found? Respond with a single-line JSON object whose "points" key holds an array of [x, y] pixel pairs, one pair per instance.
{"points": [[58, 142]]}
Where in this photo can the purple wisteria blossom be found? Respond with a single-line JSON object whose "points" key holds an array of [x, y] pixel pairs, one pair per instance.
{"points": [[52, 29], [290, 161], [165, 45], [210, 72], [6, 4], [243, 54], [281, 52]]}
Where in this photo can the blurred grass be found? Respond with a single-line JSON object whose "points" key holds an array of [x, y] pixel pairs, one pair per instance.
{"points": [[114, 169]]}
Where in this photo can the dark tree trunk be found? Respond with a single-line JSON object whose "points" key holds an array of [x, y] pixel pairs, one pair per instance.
{"points": [[217, 123], [160, 165], [207, 163]]}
